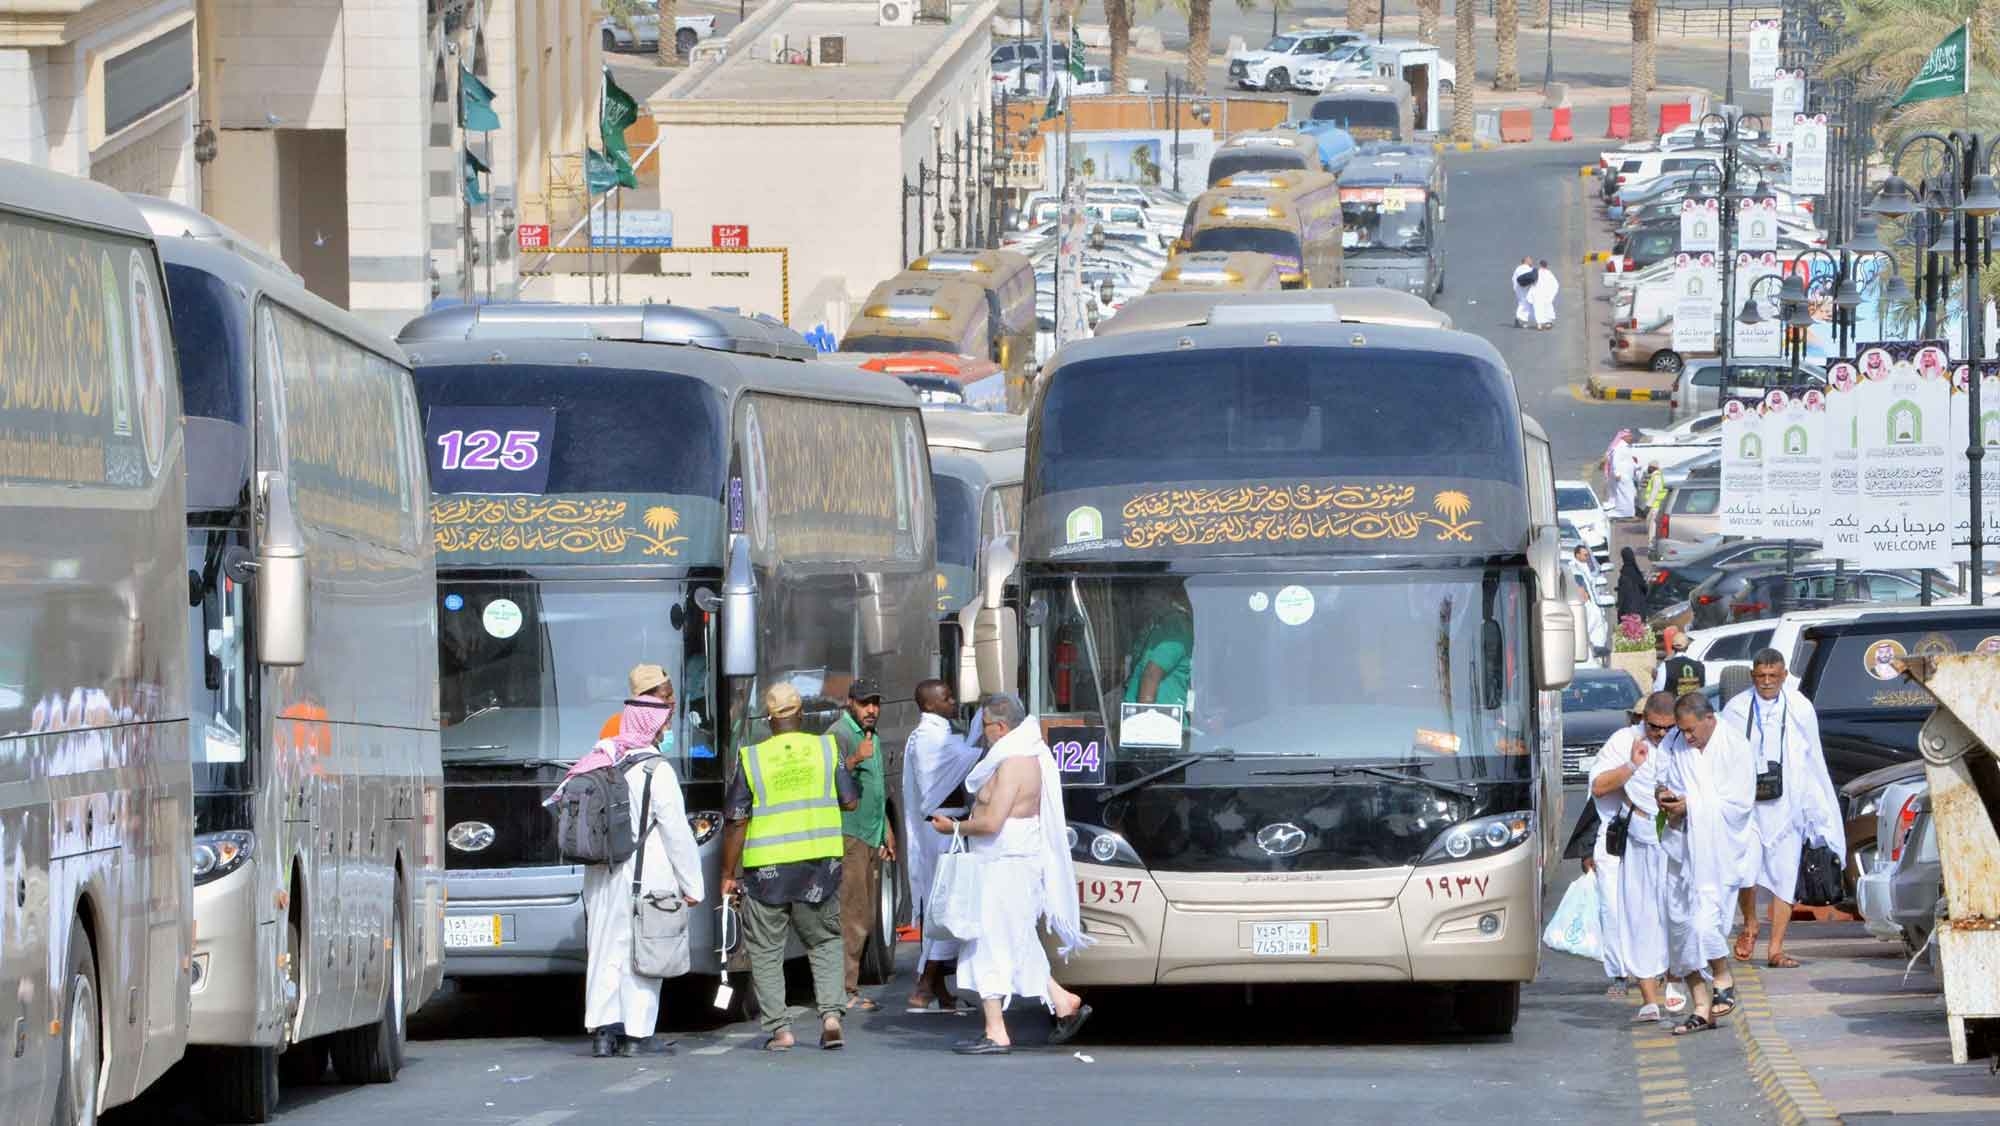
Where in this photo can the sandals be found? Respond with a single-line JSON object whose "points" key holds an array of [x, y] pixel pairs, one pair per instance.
{"points": [[865, 1004], [1746, 946], [776, 1045], [1694, 1023], [1067, 1027], [1724, 1002], [1782, 961], [981, 1047], [830, 1038], [1647, 1014]]}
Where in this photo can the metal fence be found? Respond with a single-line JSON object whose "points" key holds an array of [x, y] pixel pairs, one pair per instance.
{"points": [[1707, 19]]}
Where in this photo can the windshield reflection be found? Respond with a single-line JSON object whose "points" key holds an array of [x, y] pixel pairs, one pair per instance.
{"points": [[1399, 226]]}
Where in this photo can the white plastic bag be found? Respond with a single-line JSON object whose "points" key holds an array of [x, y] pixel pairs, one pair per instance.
{"points": [[1573, 929], [952, 911]]}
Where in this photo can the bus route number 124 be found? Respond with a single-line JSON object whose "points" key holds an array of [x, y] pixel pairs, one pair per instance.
{"points": [[1080, 760]]}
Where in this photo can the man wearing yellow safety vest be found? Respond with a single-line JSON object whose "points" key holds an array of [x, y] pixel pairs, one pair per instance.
{"points": [[782, 813]]}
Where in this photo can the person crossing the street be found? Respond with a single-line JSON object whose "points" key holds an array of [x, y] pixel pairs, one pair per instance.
{"points": [[782, 831]]}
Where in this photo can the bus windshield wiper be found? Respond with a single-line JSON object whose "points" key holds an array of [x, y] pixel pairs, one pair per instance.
{"points": [[1392, 774], [1220, 754]]}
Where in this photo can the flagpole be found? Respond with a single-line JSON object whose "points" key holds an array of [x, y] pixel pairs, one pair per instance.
{"points": [[464, 197], [589, 232], [486, 241]]}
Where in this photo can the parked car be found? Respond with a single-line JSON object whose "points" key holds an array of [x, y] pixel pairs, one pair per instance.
{"points": [[1701, 388], [1675, 581], [1272, 66], [1916, 884], [643, 31], [1749, 591], [1869, 714], [1356, 62], [1724, 647], [1878, 808], [1593, 707], [1577, 502], [1691, 512]]}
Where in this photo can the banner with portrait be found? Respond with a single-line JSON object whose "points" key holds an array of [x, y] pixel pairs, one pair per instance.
{"points": [[1809, 154], [1742, 469], [1762, 39], [1698, 296], [1757, 224], [1788, 97], [1701, 225], [1766, 337], [1903, 416], [1963, 433], [1794, 431], [1843, 463]]}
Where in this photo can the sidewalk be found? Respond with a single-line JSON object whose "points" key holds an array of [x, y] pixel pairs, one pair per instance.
{"points": [[1848, 1035]]}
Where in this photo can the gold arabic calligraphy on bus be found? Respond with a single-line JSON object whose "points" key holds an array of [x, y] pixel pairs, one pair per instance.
{"points": [[1248, 514], [490, 526]]}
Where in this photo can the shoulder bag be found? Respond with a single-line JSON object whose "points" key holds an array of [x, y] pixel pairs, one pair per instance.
{"points": [[659, 919], [1618, 831], [1770, 775]]}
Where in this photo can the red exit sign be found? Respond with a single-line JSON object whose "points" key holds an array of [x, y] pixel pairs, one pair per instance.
{"points": [[729, 236], [533, 236]]}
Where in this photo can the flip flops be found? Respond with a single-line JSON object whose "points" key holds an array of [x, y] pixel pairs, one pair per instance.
{"points": [[830, 1037], [1782, 961], [1694, 1023], [776, 1045], [1746, 946], [1647, 1014], [864, 1004]]}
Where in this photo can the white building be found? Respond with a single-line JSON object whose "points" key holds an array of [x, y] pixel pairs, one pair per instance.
{"points": [[103, 89], [808, 130]]}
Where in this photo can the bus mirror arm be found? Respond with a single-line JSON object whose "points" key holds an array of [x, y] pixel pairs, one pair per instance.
{"points": [[739, 611], [282, 578], [1555, 644]]}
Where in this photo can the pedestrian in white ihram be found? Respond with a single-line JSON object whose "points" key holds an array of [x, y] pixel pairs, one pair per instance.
{"points": [[935, 763], [1543, 296], [1523, 280], [1620, 466], [1783, 729], [1708, 784], [1624, 776], [621, 1008]]}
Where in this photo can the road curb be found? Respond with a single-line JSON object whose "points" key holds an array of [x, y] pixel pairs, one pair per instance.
{"points": [[1776, 1070], [1597, 256], [1625, 394]]}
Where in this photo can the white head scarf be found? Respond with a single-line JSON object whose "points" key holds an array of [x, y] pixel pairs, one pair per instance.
{"points": [[1059, 908]]}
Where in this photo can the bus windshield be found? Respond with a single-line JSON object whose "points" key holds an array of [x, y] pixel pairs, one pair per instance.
{"points": [[533, 671], [1260, 240], [1275, 665], [1365, 113], [1399, 225], [958, 521], [1255, 160]]}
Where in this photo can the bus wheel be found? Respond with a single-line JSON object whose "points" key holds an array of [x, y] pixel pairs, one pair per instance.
{"points": [[373, 1053], [878, 957], [76, 1097], [1488, 1008], [238, 1084]]}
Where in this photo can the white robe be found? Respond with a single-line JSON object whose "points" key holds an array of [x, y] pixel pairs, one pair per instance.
{"points": [[1616, 753], [1808, 811], [1543, 296], [1624, 493], [1704, 852], [612, 993], [1524, 309], [935, 761], [1640, 928]]}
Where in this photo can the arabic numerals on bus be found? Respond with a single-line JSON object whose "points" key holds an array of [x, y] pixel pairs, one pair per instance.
{"points": [[488, 450], [1073, 757]]}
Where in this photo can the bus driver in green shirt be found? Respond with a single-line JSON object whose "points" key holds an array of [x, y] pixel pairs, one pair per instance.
{"points": [[1165, 655]]}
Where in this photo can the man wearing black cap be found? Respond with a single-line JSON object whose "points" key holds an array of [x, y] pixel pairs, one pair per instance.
{"points": [[864, 830]]}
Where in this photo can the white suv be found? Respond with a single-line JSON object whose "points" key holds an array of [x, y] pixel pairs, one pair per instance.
{"points": [[1273, 67]]}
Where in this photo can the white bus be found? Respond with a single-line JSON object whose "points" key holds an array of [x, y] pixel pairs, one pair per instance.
{"points": [[318, 876], [94, 798]]}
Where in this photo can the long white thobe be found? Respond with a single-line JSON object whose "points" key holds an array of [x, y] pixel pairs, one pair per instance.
{"points": [[1543, 296], [1524, 309], [1704, 852], [1786, 730], [935, 762], [1624, 493], [612, 993], [1616, 753], [1641, 925]]}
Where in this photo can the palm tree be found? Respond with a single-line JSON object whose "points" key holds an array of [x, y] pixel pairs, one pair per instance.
{"points": [[1506, 35], [670, 36], [1464, 12], [1643, 26], [1363, 14], [1427, 19], [1543, 13], [1199, 28], [1118, 17]]}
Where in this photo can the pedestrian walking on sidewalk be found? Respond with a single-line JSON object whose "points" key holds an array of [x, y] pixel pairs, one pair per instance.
{"points": [[866, 837], [781, 813], [1707, 788], [1631, 585], [935, 762], [1624, 778], [1796, 804]]}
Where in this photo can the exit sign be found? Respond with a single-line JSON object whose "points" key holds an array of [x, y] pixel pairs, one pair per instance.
{"points": [[533, 236], [729, 236]]}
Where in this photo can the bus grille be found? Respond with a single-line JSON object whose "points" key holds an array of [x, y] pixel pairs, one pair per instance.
{"points": [[1576, 764]]}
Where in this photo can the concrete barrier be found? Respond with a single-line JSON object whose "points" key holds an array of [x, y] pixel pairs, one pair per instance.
{"points": [[1557, 96], [1559, 128], [1673, 115], [1620, 126], [1486, 127], [1517, 126]]}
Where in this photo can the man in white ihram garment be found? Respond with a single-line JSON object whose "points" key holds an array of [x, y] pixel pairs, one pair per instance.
{"points": [[1543, 296], [1625, 774], [1621, 465], [1707, 786], [1524, 309], [935, 762], [1783, 729], [1018, 834]]}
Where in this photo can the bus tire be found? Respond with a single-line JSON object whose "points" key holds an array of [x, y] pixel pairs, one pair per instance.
{"points": [[239, 1084], [878, 957], [83, 1034], [1488, 1008], [373, 1053]]}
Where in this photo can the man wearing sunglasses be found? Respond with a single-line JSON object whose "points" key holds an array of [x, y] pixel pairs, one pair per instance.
{"points": [[1632, 887]]}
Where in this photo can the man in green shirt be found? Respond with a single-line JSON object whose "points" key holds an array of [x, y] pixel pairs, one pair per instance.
{"points": [[1165, 659], [864, 830]]}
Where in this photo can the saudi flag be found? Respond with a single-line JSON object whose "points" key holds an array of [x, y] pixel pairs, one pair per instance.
{"points": [[616, 113], [475, 104], [1947, 72], [1075, 54], [601, 173], [474, 169]]}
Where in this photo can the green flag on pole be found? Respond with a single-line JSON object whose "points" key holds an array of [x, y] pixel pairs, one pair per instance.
{"points": [[475, 104], [1055, 101], [600, 172], [1947, 73], [474, 168], [1075, 53], [616, 113]]}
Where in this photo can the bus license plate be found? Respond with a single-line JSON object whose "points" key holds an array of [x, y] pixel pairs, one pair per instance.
{"points": [[466, 931], [1284, 940]]}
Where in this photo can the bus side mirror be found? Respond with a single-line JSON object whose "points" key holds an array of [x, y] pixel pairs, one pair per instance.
{"points": [[1555, 644], [739, 611], [996, 648], [964, 656], [282, 580]]}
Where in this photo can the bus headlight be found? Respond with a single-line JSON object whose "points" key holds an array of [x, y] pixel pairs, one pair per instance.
{"points": [[1480, 837], [704, 825], [1093, 845], [218, 854]]}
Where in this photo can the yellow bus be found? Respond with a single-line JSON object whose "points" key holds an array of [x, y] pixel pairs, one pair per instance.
{"points": [[1008, 280], [1358, 305], [1219, 271], [922, 313], [1292, 216]]}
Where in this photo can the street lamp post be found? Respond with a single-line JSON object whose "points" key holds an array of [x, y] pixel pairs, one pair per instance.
{"points": [[1549, 49], [1966, 190], [1728, 194]]}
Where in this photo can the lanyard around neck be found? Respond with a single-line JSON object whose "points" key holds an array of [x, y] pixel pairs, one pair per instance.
{"points": [[1784, 721]]}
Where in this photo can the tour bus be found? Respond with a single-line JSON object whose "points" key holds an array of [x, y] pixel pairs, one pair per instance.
{"points": [[922, 313], [318, 866], [938, 378], [679, 486], [1266, 150], [1239, 271], [1423, 156], [976, 478], [1292, 216], [1294, 631], [1375, 110], [95, 810], [1354, 305], [1389, 224], [1008, 280]]}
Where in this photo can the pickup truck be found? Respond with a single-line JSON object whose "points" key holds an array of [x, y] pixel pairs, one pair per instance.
{"points": [[643, 34]]}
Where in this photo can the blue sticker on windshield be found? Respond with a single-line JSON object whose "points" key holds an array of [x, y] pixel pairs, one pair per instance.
{"points": [[454, 602]]}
